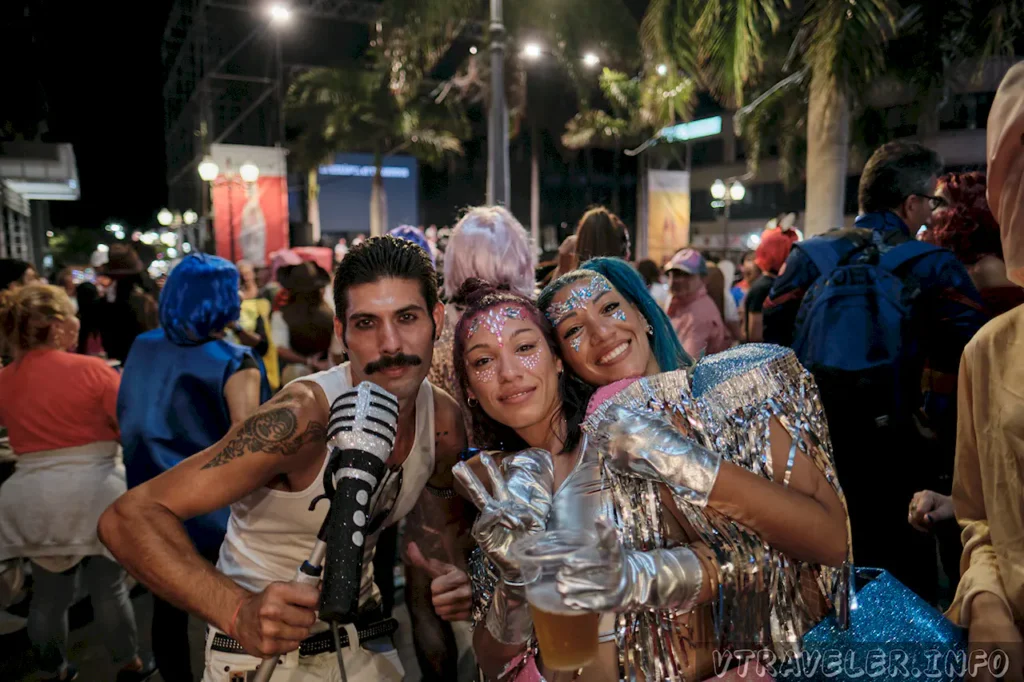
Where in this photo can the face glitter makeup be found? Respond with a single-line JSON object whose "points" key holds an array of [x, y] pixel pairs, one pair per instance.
{"points": [[578, 298], [486, 373], [619, 315], [575, 343], [531, 359], [494, 320]]}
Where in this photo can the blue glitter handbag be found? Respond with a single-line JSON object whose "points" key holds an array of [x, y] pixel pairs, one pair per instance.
{"points": [[893, 634]]}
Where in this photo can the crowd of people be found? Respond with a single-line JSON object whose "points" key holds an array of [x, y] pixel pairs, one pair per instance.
{"points": [[733, 441]]}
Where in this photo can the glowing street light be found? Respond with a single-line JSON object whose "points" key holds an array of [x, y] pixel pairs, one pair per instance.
{"points": [[718, 190], [662, 69], [280, 13], [102, 248], [473, 49], [532, 51], [249, 171], [737, 191], [208, 169], [119, 234], [168, 239], [591, 60], [165, 217], [190, 217]]}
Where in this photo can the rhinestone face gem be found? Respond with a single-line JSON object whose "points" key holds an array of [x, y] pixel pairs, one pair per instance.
{"points": [[579, 296], [494, 321]]}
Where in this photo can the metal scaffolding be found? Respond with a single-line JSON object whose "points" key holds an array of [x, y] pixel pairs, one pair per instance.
{"points": [[223, 79]]}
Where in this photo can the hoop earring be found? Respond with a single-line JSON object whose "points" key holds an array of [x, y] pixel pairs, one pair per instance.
{"points": [[472, 402]]}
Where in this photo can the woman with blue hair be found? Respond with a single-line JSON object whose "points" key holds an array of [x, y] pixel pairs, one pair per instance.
{"points": [[663, 351], [183, 388]]}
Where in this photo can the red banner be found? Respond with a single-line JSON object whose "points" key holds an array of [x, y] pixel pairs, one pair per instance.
{"points": [[250, 219]]}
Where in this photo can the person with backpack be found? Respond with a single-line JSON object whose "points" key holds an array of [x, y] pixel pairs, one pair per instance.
{"points": [[881, 319]]}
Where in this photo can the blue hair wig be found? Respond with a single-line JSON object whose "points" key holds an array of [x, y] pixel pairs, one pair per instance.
{"points": [[665, 345], [416, 236], [199, 299]]}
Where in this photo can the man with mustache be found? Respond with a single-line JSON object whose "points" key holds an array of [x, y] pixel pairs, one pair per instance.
{"points": [[269, 469]]}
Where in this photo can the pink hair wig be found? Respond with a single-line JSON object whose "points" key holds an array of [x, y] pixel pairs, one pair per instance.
{"points": [[490, 244]]}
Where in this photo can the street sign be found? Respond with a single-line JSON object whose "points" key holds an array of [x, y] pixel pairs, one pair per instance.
{"points": [[705, 127]]}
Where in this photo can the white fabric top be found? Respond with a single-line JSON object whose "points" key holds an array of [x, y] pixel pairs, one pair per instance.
{"points": [[271, 532], [50, 505]]}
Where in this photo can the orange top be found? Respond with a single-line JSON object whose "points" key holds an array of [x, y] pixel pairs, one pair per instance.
{"points": [[51, 399]]}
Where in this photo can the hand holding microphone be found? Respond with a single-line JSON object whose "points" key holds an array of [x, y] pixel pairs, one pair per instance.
{"points": [[360, 437]]}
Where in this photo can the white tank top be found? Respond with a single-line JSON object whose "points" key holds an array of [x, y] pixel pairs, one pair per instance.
{"points": [[271, 532]]}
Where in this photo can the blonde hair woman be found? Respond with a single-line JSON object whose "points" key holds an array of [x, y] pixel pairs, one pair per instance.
{"points": [[59, 409]]}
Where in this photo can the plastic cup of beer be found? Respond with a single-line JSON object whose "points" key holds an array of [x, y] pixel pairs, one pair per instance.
{"points": [[568, 637]]}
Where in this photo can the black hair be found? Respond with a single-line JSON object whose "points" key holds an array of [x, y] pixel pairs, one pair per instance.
{"points": [[601, 233], [380, 258], [11, 271], [894, 172], [488, 433], [649, 270]]}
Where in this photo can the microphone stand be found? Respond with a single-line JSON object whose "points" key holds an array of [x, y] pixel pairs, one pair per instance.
{"points": [[308, 574]]}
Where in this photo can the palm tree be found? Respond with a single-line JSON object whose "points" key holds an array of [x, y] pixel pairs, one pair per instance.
{"points": [[828, 53], [381, 106], [637, 108], [361, 110]]}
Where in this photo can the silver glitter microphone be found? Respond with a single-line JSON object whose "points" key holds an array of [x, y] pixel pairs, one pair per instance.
{"points": [[361, 435]]}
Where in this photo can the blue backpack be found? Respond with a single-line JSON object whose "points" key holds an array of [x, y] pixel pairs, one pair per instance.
{"points": [[854, 330]]}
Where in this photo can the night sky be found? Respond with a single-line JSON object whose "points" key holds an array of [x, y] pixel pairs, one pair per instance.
{"points": [[99, 65]]}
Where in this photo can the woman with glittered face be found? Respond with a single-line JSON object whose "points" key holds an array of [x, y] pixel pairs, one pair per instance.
{"points": [[519, 394], [607, 325]]}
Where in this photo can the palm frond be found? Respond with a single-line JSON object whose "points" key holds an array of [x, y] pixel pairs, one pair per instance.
{"points": [[731, 37], [846, 47], [594, 128]]}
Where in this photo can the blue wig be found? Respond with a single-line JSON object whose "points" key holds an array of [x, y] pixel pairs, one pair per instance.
{"points": [[199, 299], [664, 342], [414, 235]]}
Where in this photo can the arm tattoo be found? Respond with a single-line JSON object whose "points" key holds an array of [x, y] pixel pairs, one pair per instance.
{"points": [[272, 432]]}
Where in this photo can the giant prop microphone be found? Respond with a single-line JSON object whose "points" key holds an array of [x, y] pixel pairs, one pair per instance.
{"points": [[360, 437]]}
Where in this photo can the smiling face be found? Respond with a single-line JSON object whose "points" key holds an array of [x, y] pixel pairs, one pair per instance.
{"points": [[389, 334], [510, 369], [601, 335]]}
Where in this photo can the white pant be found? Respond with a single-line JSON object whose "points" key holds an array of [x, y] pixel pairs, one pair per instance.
{"points": [[361, 665]]}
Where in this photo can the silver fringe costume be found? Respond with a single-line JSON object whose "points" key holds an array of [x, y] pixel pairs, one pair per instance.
{"points": [[725, 403]]}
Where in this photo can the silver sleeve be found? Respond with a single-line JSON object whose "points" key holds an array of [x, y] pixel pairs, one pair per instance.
{"points": [[509, 620]]}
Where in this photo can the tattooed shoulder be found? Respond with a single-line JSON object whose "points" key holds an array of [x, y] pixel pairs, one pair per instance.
{"points": [[273, 431]]}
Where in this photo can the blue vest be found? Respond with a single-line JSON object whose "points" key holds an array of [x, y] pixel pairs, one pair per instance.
{"points": [[171, 405]]}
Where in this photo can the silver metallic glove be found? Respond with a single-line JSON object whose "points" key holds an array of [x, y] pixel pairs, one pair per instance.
{"points": [[518, 507], [612, 578], [648, 446]]}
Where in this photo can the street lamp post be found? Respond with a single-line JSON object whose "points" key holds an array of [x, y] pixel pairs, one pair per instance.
{"points": [[533, 52], [497, 122], [280, 15], [724, 193], [247, 173]]}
